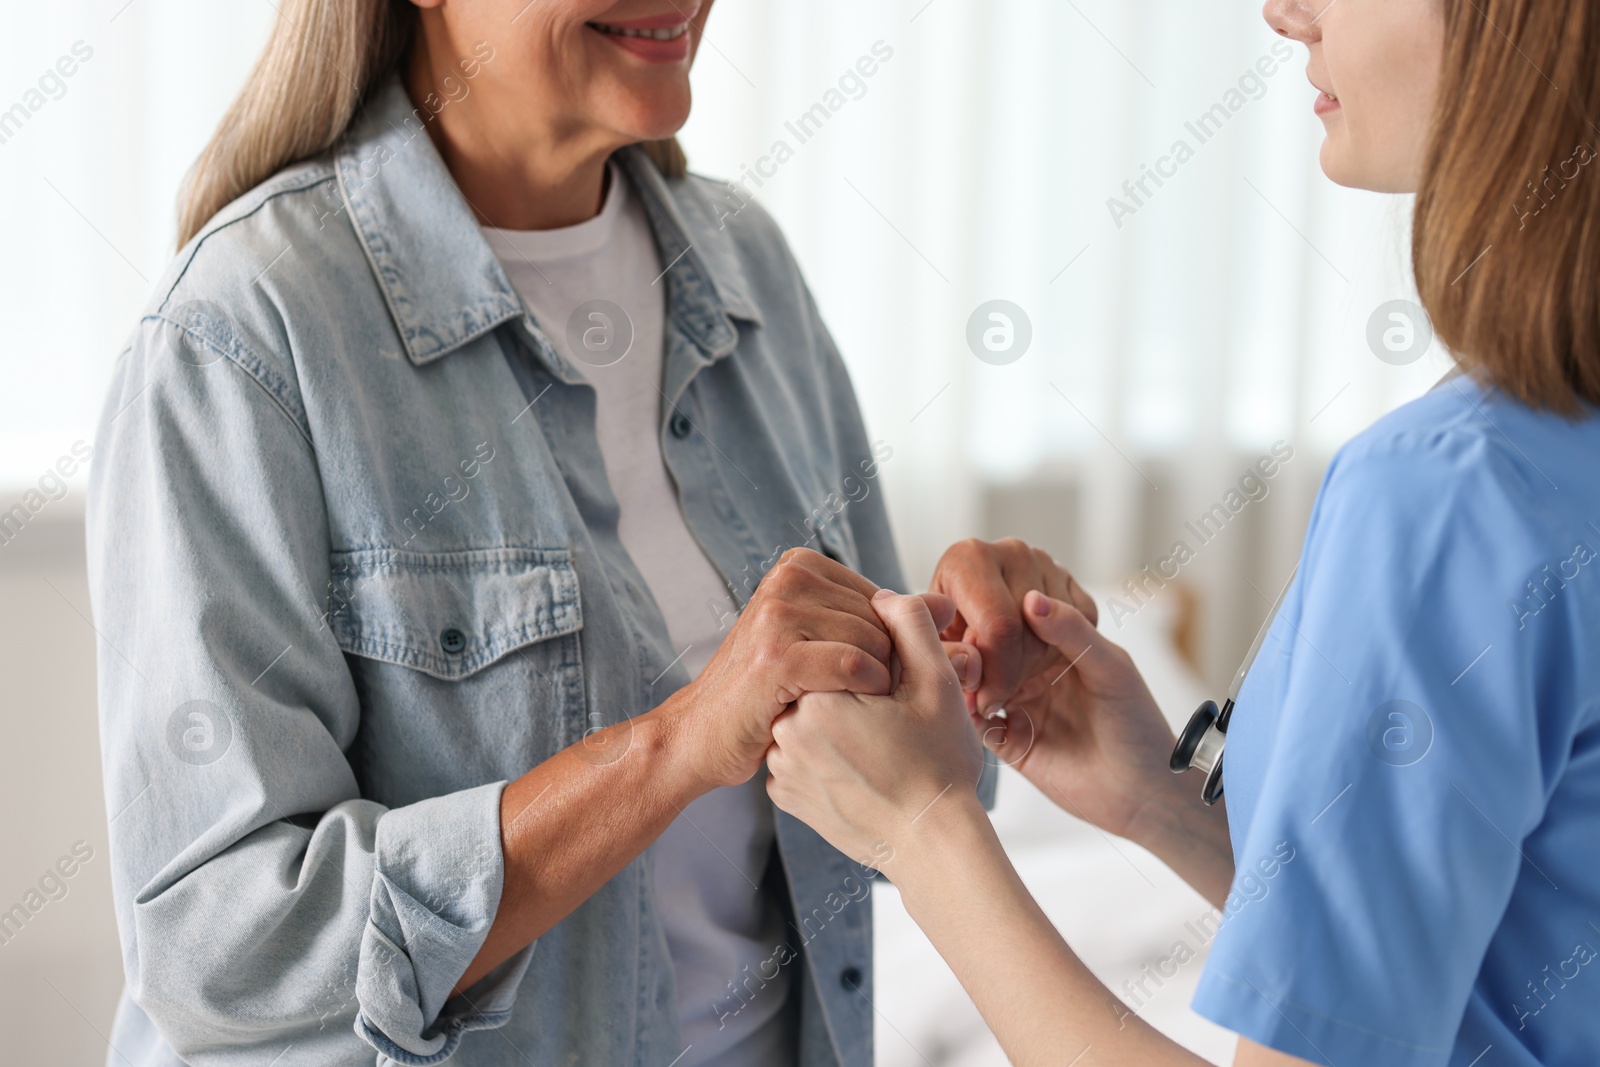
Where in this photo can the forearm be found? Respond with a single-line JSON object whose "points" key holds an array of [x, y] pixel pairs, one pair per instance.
{"points": [[573, 822], [1188, 836], [1042, 1003]]}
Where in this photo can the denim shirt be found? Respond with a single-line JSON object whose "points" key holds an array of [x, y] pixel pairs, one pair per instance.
{"points": [[355, 563]]}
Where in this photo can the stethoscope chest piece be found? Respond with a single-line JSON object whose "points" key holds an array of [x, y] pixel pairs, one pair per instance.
{"points": [[1200, 747], [1201, 743]]}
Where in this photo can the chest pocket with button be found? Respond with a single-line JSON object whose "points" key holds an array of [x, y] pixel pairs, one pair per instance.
{"points": [[480, 633], [450, 614]]}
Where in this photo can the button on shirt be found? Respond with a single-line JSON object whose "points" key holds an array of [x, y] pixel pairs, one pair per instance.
{"points": [[594, 289], [1413, 765]]}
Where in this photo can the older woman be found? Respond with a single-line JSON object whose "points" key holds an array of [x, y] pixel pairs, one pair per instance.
{"points": [[450, 453]]}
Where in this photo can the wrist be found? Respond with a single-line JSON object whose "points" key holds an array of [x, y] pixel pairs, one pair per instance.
{"points": [[683, 769], [1162, 811], [1170, 811], [1187, 835], [952, 836]]}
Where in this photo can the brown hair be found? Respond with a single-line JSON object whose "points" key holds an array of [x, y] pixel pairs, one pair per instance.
{"points": [[1506, 241], [322, 61]]}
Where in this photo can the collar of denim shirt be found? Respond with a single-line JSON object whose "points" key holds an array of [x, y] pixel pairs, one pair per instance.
{"points": [[444, 285]]}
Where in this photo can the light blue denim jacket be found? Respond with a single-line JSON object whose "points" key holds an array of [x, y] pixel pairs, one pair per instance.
{"points": [[355, 562]]}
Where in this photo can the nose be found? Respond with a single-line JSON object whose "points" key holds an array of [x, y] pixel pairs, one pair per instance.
{"points": [[1298, 20]]}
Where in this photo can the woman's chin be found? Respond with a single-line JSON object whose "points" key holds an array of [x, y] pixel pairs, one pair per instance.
{"points": [[1349, 169], [1339, 168], [651, 118]]}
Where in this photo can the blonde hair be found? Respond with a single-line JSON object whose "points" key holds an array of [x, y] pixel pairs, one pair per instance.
{"points": [[322, 61]]}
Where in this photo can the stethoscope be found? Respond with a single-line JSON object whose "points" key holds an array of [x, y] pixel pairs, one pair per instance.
{"points": [[1202, 741]]}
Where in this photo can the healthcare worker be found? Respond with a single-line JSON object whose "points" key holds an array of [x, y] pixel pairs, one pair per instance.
{"points": [[1406, 856]]}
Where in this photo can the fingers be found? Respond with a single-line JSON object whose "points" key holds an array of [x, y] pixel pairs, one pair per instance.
{"points": [[811, 597], [842, 626], [828, 569], [1055, 622], [967, 661], [1080, 599], [990, 617], [1010, 738], [852, 592], [783, 728], [820, 601], [830, 666], [924, 665], [1037, 569], [798, 723], [810, 578]]}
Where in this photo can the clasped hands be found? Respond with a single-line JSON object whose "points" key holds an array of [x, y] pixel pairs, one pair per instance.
{"points": [[870, 708]]}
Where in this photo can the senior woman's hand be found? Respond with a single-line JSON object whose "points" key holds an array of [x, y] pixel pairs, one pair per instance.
{"points": [[809, 627], [987, 581], [863, 769]]}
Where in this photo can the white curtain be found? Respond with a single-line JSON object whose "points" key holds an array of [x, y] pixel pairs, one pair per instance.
{"points": [[1170, 346], [89, 169]]}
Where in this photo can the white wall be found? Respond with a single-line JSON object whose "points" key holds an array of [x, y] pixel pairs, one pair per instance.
{"points": [[61, 972]]}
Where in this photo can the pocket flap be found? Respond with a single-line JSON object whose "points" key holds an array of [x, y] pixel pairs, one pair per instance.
{"points": [[450, 614]]}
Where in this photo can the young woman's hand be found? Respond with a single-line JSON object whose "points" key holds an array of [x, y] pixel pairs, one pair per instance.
{"points": [[1091, 736], [863, 770], [809, 627]]}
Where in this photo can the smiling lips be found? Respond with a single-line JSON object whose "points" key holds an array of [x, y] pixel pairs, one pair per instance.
{"points": [[662, 39], [1326, 101]]}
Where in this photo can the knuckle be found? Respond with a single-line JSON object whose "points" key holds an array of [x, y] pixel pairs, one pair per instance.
{"points": [[782, 733], [855, 664], [769, 657], [770, 612], [796, 555], [968, 548], [1013, 546], [783, 615], [787, 579], [1005, 629]]}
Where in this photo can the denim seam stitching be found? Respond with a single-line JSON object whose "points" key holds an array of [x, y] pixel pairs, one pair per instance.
{"points": [[259, 371], [267, 192]]}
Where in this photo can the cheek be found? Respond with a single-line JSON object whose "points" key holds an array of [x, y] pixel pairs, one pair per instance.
{"points": [[1384, 70]]}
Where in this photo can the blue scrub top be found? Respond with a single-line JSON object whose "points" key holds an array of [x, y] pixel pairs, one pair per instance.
{"points": [[1413, 765]]}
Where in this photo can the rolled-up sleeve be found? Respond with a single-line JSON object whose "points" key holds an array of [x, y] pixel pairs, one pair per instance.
{"points": [[262, 902]]}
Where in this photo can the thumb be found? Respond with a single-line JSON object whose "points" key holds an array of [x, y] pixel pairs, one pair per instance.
{"points": [[942, 608], [1058, 623], [924, 666]]}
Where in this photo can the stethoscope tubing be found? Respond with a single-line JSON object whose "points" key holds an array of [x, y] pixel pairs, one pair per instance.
{"points": [[1203, 739]]}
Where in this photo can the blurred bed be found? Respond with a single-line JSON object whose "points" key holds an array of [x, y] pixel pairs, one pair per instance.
{"points": [[1137, 925]]}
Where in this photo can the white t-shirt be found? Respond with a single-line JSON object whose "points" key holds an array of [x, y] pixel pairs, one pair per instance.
{"points": [[709, 863]]}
